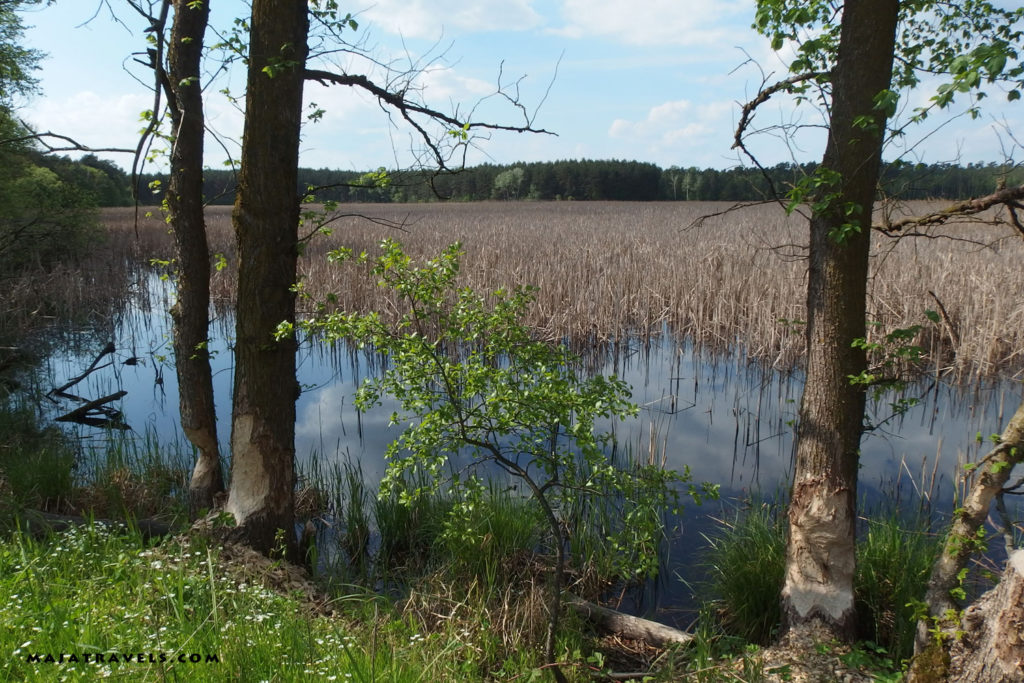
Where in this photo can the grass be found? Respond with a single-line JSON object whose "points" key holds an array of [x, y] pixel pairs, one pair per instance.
{"points": [[746, 563], [471, 608], [98, 591]]}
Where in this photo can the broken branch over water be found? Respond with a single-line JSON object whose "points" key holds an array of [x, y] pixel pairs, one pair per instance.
{"points": [[95, 412]]}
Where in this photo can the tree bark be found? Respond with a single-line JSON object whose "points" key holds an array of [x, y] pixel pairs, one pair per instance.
{"points": [[991, 647], [185, 206], [266, 217], [820, 553], [993, 473]]}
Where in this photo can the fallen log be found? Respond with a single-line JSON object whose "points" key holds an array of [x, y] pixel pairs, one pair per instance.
{"points": [[38, 524], [989, 647], [626, 625]]}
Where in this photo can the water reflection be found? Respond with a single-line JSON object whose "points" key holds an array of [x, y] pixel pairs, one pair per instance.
{"points": [[726, 418]]}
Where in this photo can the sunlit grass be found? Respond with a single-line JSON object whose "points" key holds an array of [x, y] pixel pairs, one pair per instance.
{"points": [[745, 562], [98, 591]]}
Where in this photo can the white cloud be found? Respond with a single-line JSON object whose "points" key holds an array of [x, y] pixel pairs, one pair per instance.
{"points": [[659, 22], [92, 119], [442, 82], [678, 128], [423, 19]]}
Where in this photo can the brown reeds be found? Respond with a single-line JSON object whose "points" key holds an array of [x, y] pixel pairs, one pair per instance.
{"points": [[608, 271]]}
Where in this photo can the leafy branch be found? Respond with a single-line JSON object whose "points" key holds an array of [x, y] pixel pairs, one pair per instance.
{"points": [[474, 386]]}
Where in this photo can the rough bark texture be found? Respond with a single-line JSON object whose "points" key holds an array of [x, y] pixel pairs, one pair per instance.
{"points": [[266, 217], [820, 554], [185, 207], [991, 649], [992, 476]]}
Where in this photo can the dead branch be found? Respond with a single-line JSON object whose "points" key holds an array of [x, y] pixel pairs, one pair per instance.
{"points": [[407, 109], [81, 414], [109, 348], [1010, 197], [763, 95], [398, 101], [626, 625], [747, 115], [72, 144]]}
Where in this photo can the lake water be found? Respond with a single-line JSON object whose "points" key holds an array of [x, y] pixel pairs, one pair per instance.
{"points": [[726, 418]]}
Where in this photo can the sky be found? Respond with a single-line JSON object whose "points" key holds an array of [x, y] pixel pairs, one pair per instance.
{"points": [[659, 81]]}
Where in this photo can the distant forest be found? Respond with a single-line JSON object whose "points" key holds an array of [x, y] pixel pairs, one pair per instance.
{"points": [[581, 180]]}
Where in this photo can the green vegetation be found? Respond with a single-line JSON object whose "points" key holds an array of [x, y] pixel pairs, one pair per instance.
{"points": [[105, 593], [477, 390], [746, 560], [466, 609]]}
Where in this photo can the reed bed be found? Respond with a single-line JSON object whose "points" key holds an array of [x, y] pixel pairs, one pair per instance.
{"points": [[611, 271]]}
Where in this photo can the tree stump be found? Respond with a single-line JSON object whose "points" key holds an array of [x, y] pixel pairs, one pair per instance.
{"points": [[991, 649]]}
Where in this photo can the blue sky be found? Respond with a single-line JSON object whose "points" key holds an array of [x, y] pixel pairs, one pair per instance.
{"points": [[658, 80]]}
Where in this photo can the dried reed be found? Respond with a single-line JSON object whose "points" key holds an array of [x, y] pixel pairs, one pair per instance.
{"points": [[608, 271]]}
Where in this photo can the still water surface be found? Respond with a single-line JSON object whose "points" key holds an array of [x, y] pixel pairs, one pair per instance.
{"points": [[727, 419]]}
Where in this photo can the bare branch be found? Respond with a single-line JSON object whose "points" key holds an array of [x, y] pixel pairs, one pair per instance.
{"points": [[398, 101], [747, 114], [72, 144], [763, 95], [1010, 197]]}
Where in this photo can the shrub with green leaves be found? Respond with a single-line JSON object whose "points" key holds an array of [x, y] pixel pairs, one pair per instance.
{"points": [[477, 391]]}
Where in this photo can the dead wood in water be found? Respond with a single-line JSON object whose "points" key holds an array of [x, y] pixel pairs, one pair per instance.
{"points": [[90, 412], [59, 391]]}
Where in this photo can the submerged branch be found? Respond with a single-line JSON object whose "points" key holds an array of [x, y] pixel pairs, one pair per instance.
{"points": [[81, 414]]}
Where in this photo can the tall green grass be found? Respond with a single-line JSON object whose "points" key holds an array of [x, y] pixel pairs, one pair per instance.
{"points": [[745, 563], [36, 463], [894, 560], [746, 560], [123, 476]]}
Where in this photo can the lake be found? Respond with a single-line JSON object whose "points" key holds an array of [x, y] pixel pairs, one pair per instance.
{"points": [[725, 416]]}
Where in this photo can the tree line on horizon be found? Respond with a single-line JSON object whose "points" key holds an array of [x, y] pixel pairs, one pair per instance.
{"points": [[580, 180]]}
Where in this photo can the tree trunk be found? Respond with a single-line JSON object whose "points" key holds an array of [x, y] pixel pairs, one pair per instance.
{"points": [[991, 477], [266, 217], [820, 553], [991, 647], [185, 208]]}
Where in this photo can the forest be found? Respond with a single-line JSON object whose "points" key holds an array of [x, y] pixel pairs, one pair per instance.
{"points": [[105, 184]]}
